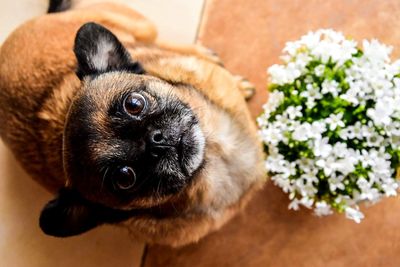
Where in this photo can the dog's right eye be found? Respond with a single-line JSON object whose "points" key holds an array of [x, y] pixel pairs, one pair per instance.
{"points": [[123, 178], [134, 104]]}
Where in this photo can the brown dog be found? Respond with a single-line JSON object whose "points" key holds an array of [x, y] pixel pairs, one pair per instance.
{"points": [[130, 131]]}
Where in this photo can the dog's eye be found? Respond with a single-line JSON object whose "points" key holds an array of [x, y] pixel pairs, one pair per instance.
{"points": [[134, 104], [124, 178]]}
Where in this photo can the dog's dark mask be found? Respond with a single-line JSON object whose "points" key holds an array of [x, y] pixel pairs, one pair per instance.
{"points": [[130, 143]]}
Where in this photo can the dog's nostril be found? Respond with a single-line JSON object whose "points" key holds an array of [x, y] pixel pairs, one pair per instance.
{"points": [[157, 137]]}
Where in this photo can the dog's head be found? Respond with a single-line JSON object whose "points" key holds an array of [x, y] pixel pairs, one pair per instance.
{"points": [[129, 142]]}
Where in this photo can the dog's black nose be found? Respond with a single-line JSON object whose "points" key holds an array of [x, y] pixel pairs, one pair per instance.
{"points": [[158, 143]]}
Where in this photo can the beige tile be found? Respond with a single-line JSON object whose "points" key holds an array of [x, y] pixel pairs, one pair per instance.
{"points": [[176, 20], [23, 244], [15, 12]]}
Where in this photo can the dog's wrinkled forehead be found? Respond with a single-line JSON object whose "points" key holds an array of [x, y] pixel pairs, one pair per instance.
{"points": [[107, 87], [106, 93], [103, 96]]}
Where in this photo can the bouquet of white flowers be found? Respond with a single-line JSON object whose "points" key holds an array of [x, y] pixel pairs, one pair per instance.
{"points": [[331, 127]]}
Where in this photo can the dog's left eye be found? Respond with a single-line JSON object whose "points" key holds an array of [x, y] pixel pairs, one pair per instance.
{"points": [[134, 104]]}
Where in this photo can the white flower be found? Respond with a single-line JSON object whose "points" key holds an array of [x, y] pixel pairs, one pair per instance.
{"points": [[294, 112], [294, 204], [307, 202], [331, 87], [305, 188], [374, 140], [311, 92], [336, 183], [381, 114], [319, 70], [327, 164], [309, 177], [317, 128], [307, 165], [283, 183], [351, 96], [271, 135], [334, 121], [390, 187], [322, 148], [352, 132], [345, 165], [281, 75], [276, 163], [302, 132], [275, 99], [339, 150], [376, 52], [322, 209], [367, 191], [354, 214]]}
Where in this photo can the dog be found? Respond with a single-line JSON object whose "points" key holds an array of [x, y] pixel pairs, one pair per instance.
{"points": [[128, 130]]}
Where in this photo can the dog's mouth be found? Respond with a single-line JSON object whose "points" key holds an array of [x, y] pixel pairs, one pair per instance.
{"points": [[165, 150], [191, 150]]}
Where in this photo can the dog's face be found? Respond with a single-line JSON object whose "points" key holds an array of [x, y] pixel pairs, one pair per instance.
{"points": [[130, 140]]}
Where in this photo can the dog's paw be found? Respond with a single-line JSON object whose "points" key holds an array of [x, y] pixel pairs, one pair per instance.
{"points": [[209, 54], [247, 88]]}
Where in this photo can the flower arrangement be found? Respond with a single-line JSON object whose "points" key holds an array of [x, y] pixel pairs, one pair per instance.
{"points": [[331, 127]]}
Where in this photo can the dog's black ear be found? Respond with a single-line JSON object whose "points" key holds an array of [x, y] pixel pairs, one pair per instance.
{"points": [[67, 215], [98, 51], [70, 214]]}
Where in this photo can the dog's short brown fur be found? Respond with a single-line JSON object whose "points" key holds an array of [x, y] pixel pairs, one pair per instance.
{"points": [[38, 85]]}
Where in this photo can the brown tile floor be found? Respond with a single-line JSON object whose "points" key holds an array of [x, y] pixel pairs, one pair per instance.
{"points": [[249, 36]]}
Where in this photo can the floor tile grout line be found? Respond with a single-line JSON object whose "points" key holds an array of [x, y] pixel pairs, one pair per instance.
{"points": [[201, 20], [144, 255]]}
